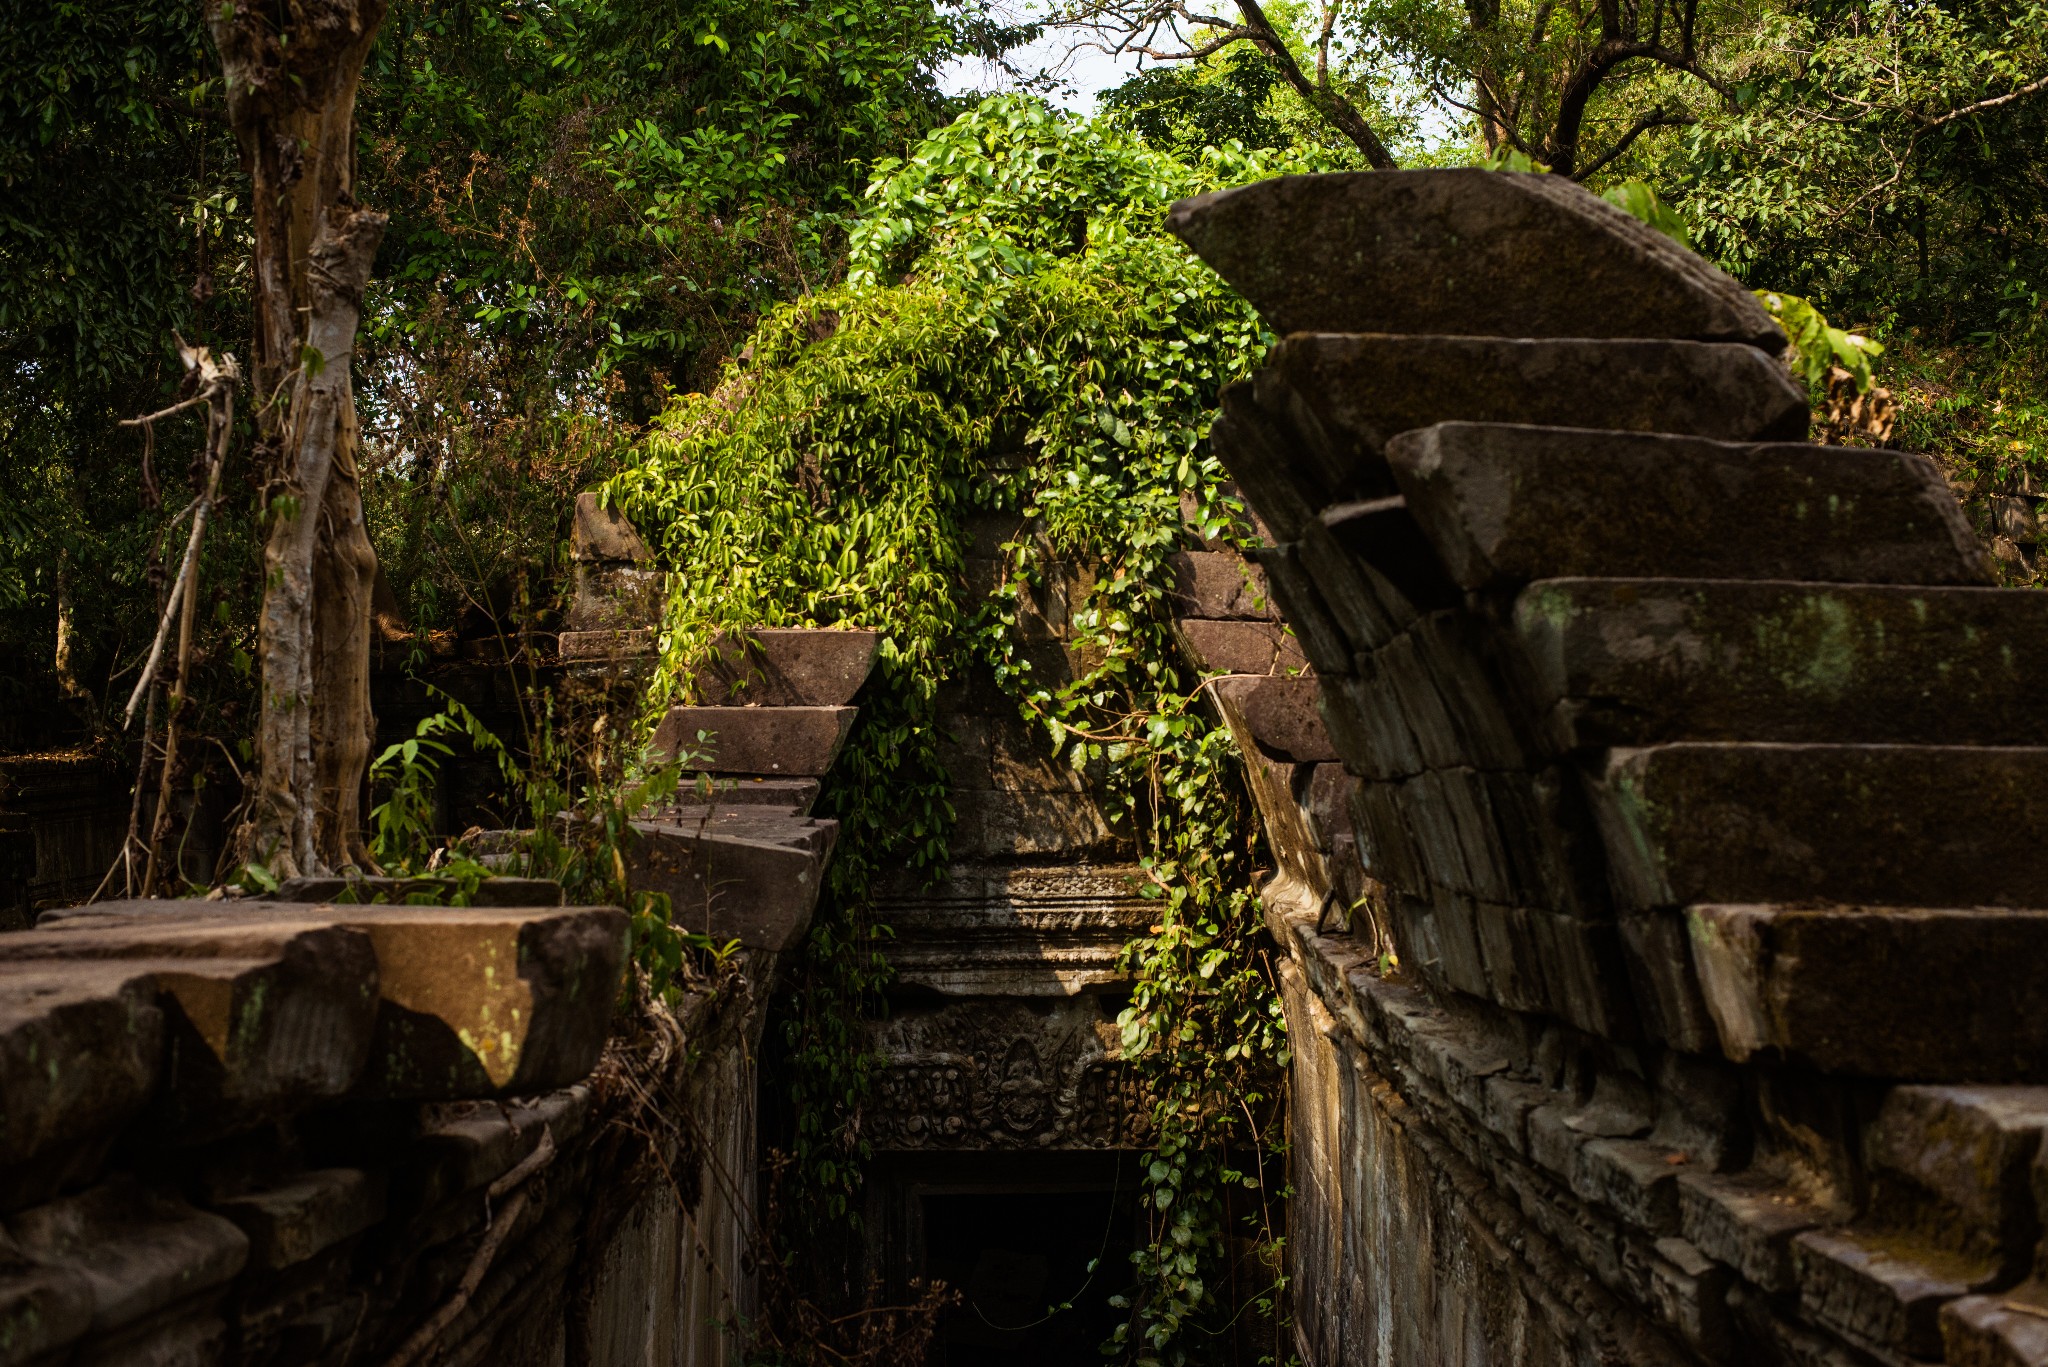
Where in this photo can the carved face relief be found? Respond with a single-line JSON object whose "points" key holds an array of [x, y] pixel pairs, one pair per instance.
{"points": [[1023, 1089]]}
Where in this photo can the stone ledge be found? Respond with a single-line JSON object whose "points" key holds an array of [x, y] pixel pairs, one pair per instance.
{"points": [[291, 1221], [1640, 661], [1747, 1221], [1508, 505], [751, 880], [2000, 1330], [1343, 396], [793, 742], [620, 645], [1919, 825], [1241, 647], [1218, 584], [269, 1008], [1467, 252], [1278, 715], [1648, 1221], [137, 1251], [787, 667], [1881, 1290], [1877, 991], [993, 930]]}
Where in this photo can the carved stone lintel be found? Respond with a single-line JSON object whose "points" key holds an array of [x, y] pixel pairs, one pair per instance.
{"points": [[983, 1074], [1006, 930]]}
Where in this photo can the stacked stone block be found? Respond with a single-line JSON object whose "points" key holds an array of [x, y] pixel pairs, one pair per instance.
{"points": [[1696, 762], [211, 1109]]}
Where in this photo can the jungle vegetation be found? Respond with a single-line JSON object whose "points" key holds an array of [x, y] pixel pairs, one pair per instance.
{"points": [[747, 266]]}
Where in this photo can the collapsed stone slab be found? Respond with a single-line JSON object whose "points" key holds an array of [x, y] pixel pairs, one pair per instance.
{"points": [[456, 1001], [1339, 398], [1280, 716], [1854, 989], [1218, 585], [787, 667], [262, 1016], [598, 533], [1469, 252], [1955, 1163], [1508, 504], [291, 1221], [2005, 1329], [1637, 661], [80, 1054], [137, 1251], [1882, 1291], [1875, 824], [1241, 647], [735, 876], [793, 741]]}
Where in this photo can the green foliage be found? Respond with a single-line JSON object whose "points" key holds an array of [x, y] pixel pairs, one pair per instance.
{"points": [[620, 184], [1634, 197], [574, 824], [1016, 335], [402, 825], [113, 202], [590, 201], [1818, 346], [1182, 108], [1882, 157], [1205, 1021]]}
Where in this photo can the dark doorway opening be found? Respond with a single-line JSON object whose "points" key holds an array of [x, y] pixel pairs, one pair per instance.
{"points": [[1035, 1273], [1034, 1243]]}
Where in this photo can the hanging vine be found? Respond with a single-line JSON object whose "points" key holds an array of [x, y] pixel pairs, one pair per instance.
{"points": [[1012, 294]]}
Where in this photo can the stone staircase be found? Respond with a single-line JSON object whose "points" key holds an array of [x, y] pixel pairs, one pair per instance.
{"points": [[738, 852]]}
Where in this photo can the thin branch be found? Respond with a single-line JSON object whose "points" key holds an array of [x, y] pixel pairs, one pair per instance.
{"points": [[216, 387], [1337, 109], [1656, 118], [162, 413], [1506, 121], [487, 1252], [2030, 88], [1138, 28]]}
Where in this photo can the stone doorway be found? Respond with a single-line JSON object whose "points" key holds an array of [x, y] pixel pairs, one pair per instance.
{"points": [[1035, 1243]]}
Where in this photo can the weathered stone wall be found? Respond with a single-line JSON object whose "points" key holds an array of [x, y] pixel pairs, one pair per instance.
{"points": [[288, 1132], [1691, 1016]]}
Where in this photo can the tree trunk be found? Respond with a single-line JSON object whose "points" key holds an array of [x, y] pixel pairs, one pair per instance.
{"points": [[292, 71]]}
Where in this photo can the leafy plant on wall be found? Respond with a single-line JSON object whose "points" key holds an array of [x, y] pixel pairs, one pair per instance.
{"points": [[1016, 333]]}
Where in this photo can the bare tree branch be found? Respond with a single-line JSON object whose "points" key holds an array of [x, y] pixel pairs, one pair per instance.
{"points": [[217, 380], [1137, 27], [1561, 148], [1655, 118], [2030, 88]]}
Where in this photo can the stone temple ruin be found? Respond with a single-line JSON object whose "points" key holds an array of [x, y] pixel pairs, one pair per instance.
{"points": [[1658, 808]]}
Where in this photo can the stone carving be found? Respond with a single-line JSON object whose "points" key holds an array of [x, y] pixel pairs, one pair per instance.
{"points": [[1025, 931], [977, 1075]]}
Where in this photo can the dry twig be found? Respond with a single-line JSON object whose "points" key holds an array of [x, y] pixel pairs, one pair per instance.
{"points": [[424, 1337], [212, 382]]}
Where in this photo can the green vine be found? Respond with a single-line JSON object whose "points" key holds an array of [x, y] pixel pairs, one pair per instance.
{"points": [[1016, 334]]}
